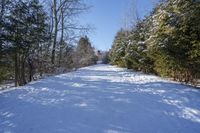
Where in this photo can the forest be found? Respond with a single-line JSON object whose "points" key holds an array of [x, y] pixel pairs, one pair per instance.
{"points": [[38, 38], [136, 71], [166, 42]]}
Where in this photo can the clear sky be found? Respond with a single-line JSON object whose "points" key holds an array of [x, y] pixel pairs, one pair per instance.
{"points": [[106, 16]]}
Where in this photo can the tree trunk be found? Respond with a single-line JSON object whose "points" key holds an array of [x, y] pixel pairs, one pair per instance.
{"points": [[23, 77], [51, 25], [62, 35], [30, 71], [16, 69], [55, 31]]}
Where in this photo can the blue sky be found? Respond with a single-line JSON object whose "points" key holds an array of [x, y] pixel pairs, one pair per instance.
{"points": [[106, 16]]}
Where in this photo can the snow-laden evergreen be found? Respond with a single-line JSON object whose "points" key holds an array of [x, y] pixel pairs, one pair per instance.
{"points": [[101, 99], [166, 42]]}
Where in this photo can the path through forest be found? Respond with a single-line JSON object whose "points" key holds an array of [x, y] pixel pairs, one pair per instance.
{"points": [[101, 99]]}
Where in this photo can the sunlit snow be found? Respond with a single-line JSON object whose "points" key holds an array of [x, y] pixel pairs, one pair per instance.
{"points": [[101, 99]]}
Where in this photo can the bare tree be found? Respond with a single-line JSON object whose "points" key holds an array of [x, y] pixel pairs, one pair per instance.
{"points": [[131, 16], [55, 16], [62, 16]]}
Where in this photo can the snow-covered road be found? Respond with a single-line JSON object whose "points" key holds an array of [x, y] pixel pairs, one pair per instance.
{"points": [[101, 99]]}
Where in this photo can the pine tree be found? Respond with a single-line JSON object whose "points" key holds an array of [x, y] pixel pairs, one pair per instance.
{"points": [[167, 42], [26, 31], [117, 52], [176, 38], [85, 54]]}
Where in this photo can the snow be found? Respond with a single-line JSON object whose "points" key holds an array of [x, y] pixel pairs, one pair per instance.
{"points": [[6, 86], [101, 99]]}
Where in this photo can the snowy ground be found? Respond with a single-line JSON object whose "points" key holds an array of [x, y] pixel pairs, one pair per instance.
{"points": [[6, 86], [101, 99]]}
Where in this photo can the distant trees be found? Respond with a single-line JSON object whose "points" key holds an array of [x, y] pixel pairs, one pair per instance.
{"points": [[105, 57], [166, 42], [62, 14], [38, 39], [84, 53]]}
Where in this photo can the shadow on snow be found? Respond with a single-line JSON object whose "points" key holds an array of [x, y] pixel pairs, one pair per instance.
{"points": [[101, 99]]}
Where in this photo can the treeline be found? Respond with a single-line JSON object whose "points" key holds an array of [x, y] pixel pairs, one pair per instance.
{"points": [[166, 42], [38, 38]]}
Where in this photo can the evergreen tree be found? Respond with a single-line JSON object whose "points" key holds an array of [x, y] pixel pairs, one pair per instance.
{"points": [[85, 54], [117, 52], [4, 60], [167, 42], [26, 31], [175, 40]]}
